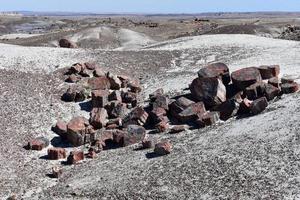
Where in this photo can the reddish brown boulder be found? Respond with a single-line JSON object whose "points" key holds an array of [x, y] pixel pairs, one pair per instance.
{"points": [[75, 93], [135, 134], [227, 109], [116, 109], [65, 43], [60, 129], [288, 88], [208, 119], [157, 115], [269, 71], [179, 105], [75, 157], [99, 83], [259, 105], [209, 90], [115, 96], [256, 90], [38, 143], [76, 130], [98, 117], [56, 172], [190, 113], [245, 77], [56, 153], [177, 129], [274, 81], [138, 116], [163, 148], [271, 92], [161, 102], [216, 70], [99, 98], [148, 143], [162, 126]]}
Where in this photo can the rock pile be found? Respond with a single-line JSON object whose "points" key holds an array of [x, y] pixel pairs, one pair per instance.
{"points": [[118, 118]]}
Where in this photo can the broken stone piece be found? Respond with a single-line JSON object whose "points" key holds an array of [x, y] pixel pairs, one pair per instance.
{"points": [[56, 153], [245, 77], [163, 148]]}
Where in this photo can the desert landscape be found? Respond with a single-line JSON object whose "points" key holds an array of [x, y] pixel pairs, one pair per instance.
{"points": [[132, 106]]}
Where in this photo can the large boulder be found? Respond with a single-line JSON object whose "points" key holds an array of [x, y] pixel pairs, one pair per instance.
{"points": [[65, 43], [98, 117], [76, 130], [245, 77], [191, 113], [258, 106], [135, 134], [217, 70], [269, 71], [137, 116], [209, 90]]}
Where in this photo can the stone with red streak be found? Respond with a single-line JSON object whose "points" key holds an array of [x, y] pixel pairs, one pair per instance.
{"points": [[76, 130], [75, 157], [38, 144], [56, 153], [245, 77], [163, 148]]}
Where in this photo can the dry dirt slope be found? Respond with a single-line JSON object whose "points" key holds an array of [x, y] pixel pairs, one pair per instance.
{"points": [[248, 158]]}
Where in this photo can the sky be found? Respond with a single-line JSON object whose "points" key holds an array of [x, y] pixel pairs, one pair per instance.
{"points": [[150, 6]]}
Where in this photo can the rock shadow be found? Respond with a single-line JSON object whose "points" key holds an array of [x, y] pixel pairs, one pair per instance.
{"points": [[59, 142], [86, 106]]}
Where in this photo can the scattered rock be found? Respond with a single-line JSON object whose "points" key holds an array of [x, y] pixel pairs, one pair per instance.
{"points": [[288, 88], [91, 65], [98, 118], [60, 129], [65, 43], [135, 134], [161, 102], [148, 143], [179, 105], [76, 94], [227, 109], [162, 126], [38, 143], [190, 113], [138, 116], [92, 153], [157, 115], [245, 77], [256, 90], [209, 90], [287, 79], [75, 157], [134, 86], [56, 153], [269, 71], [118, 110], [245, 106], [216, 70], [99, 98], [76, 130], [56, 172], [163, 148], [274, 81], [271, 92], [258, 105]]}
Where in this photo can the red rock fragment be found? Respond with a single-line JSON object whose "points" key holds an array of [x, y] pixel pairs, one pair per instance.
{"points": [[65, 43], [269, 71], [190, 113], [288, 88], [216, 70], [271, 92], [99, 83], [274, 81], [56, 153], [38, 144], [208, 119], [258, 105], [98, 117], [56, 172], [99, 98], [163, 148], [245, 77], [75, 157], [177, 129]]}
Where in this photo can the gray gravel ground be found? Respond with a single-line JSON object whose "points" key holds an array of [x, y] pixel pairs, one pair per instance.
{"points": [[249, 158]]}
